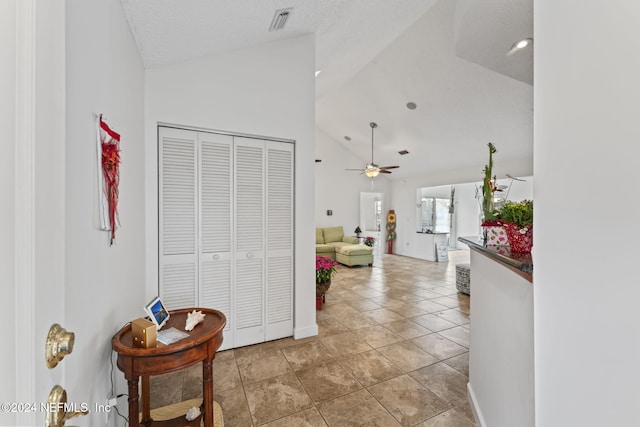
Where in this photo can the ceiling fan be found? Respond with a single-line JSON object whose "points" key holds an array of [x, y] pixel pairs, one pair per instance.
{"points": [[371, 169]]}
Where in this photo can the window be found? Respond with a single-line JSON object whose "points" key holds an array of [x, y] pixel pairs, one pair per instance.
{"points": [[435, 214]]}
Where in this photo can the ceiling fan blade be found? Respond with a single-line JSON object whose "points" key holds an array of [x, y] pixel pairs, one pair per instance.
{"points": [[389, 167], [354, 170], [384, 171]]}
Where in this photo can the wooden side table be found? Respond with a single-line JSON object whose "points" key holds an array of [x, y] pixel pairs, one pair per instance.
{"points": [[200, 346]]}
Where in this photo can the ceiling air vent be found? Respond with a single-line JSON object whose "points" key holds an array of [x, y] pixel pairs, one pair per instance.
{"points": [[280, 19], [403, 152]]}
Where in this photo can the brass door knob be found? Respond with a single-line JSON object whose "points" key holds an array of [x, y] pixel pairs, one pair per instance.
{"points": [[59, 344], [57, 413]]}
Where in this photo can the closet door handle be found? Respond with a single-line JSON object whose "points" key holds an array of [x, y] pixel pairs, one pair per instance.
{"points": [[249, 254]]}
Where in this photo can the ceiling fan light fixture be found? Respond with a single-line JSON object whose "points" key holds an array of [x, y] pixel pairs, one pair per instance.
{"points": [[371, 172]]}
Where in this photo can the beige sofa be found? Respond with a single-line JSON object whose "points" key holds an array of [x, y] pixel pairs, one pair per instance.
{"points": [[331, 242]]}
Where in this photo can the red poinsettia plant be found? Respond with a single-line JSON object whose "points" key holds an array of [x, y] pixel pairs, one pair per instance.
{"points": [[325, 269]]}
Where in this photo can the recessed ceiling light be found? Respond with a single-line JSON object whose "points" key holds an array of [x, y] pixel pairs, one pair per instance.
{"points": [[411, 105], [347, 138], [318, 72], [520, 44]]}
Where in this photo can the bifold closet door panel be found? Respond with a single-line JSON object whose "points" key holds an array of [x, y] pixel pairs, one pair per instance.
{"points": [[249, 227], [177, 198], [279, 245], [215, 177]]}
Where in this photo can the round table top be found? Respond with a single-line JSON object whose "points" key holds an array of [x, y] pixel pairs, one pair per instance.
{"points": [[212, 325]]}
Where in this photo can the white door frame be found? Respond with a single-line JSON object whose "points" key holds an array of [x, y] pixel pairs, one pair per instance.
{"points": [[39, 192]]}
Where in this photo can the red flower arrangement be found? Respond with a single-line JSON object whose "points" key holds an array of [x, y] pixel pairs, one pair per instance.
{"points": [[325, 269]]}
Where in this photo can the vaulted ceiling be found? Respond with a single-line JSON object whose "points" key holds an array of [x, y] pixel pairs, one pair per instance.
{"points": [[449, 57]]}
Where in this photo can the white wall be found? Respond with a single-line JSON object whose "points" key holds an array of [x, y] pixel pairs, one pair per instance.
{"points": [[338, 189], [105, 286], [7, 124], [501, 379], [587, 333], [403, 193], [264, 90]]}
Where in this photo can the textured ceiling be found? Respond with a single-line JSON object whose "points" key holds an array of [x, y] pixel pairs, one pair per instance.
{"points": [[447, 56]]}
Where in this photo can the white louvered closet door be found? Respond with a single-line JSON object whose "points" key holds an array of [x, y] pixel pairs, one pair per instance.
{"points": [[279, 249], [249, 236], [216, 227], [178, 258]]}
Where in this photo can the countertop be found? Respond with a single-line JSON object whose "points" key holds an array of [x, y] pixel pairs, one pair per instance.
{"points": [[521, 263]]}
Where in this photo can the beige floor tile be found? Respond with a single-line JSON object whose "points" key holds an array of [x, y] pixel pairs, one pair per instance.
{"points": [[304, 356], [433, 322], [328, 327], [260, 365], [341, 356], [337, 309], [440, 347], [407, 329], [451, 418], [358, 409], [276, 398], [407, 356], [378, 336], [288, 342], [407, 400], [347, 343], [429, 306], [363, 305], [225, 375], [383, 315], [370, 367], [235, 408], [458, 335], [454, 315], [460, 363], [327, 381], [356, 321], [166, 389], [192, 381], [307, 418], [443, 380]]}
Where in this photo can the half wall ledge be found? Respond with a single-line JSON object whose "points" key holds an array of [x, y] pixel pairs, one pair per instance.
{"points": [[520, 263]]}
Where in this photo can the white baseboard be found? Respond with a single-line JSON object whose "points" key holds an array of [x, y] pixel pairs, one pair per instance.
{"points": [[477, 414], [308, 331]]}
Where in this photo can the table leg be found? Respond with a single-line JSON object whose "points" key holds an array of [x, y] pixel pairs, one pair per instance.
{"points": [[133, 402], [146, 403], [207, 392]]}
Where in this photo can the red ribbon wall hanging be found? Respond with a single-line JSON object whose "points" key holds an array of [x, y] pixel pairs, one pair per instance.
{"points": [[109, 177]]}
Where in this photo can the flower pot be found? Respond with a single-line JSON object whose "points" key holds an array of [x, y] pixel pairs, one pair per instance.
{"points": [[496, 235], [322, 288], [520, 238]]}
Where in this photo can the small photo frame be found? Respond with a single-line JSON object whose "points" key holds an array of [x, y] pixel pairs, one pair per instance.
{"points": [[157, 312]]}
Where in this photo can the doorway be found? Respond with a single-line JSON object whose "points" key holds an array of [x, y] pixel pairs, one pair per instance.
{"points": [[372, 219]]}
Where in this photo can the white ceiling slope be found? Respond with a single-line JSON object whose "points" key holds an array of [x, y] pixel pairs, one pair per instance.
{"points": [[486, 30], [448, 56]]}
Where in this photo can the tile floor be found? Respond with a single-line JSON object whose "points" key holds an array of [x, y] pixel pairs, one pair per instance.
{"points": [[392, 350]]}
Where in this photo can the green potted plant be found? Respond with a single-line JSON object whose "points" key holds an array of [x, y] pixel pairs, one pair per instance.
{"points": [[517, 218], [357, 231], [488, 188]]}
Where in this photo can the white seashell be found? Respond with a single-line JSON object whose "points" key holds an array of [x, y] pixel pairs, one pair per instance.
{"points": [[193, 413], [193, 319]]}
